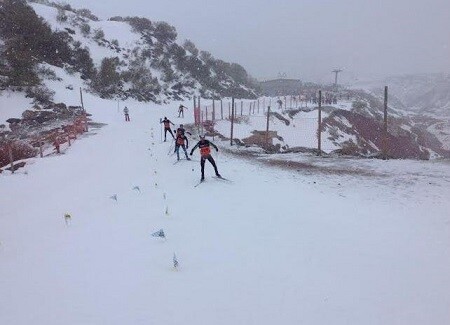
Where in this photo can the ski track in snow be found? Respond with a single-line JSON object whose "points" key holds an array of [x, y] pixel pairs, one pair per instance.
{"points": [[272, 247]]}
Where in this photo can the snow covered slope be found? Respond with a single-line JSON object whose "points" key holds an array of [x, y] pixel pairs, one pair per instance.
{"points": [[148, 51], [328, 245]]}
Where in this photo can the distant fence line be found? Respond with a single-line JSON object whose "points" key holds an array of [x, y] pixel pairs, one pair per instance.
{"points": [[231, 120]]}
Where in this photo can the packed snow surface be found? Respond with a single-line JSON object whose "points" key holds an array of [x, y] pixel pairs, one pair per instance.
{"points": [[272, 247]]}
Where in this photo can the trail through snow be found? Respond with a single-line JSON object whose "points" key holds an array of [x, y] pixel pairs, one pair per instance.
{"points": [[272, 247]]}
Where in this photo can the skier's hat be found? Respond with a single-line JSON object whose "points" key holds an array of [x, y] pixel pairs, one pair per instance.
{"points": [[202, 136]]}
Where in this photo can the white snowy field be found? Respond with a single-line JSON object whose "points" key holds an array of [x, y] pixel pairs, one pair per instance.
{"points": [[273, 247]]}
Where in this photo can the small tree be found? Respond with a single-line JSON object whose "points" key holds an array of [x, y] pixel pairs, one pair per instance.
{"points": [[165, 33], [98, 34], [189, 46], [85, 29], [359, 105], [61, 16], [108, 80]]}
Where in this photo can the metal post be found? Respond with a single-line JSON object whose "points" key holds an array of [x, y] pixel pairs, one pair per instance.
{"points": [[213, 111], [319, 126], [385, 125], [232, 120], [81, 98], [221, 109], [267, 126]]}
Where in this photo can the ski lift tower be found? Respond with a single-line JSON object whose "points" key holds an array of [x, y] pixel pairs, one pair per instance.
{"points": [[336, 72]]}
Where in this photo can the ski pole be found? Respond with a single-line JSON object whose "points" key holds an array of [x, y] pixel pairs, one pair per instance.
{"points": [[171, 147], [160, 121]]}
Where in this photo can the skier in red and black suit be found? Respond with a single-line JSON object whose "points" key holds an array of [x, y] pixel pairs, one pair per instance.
{"points": [[179, 142], [205, 152], [167, 123], [183, 130]]}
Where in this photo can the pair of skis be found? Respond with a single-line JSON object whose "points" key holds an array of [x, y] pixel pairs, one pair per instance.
{"points": [[177, 161], [216, 177]]}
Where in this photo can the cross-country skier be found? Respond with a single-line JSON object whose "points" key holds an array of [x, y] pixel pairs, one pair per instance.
{"points": [[181, 110], [179, 142], [183, 130], [205, 153], [126, 113], [167, 123]]}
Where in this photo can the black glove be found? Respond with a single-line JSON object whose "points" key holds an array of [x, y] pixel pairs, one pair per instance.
{"points": [[217, 149], [191, 153]]}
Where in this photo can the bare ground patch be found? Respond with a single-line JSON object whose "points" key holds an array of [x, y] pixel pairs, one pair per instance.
{"points": [[302, 166]]}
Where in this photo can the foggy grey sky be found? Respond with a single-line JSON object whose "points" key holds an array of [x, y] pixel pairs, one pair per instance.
{"points": [[306, 38]]}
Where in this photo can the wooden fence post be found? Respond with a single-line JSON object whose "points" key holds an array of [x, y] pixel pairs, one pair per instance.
{"points": [[41, 152], [86, 126], [11, 157]]}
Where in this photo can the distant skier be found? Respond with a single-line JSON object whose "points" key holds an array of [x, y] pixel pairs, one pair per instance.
{"points": [[181, 110], [280, 103], [179, 142], [167, 123], [205, 153], [127, 115]]}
